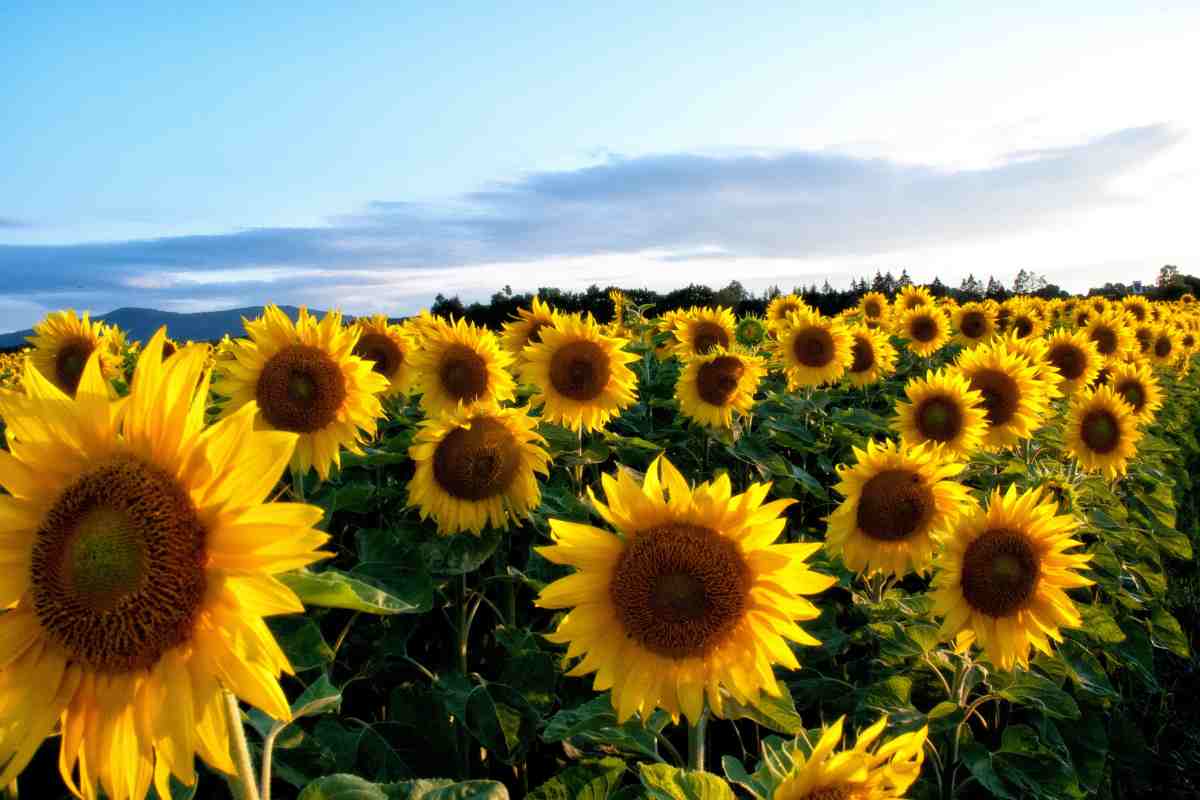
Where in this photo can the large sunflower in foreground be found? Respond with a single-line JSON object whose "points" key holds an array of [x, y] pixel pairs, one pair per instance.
{"points": [[689, 600], [527, 328], [813, 349], [1113, 338], [62, 344], [582, 375], [712, 387], [912, 297], [1002, 576], [461, 364], [1075, 358], [476, 468], [942, 409], [1014, 397], [1101, 431], [868, 771], [899, 503], [872, 356], [926, 329], [974, 323], [139, 558], [700, 331], [1138, 386], [389, 349], [304, 378]]}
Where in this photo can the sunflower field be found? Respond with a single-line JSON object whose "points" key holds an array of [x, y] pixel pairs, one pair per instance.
{"points": [[917, 549]]}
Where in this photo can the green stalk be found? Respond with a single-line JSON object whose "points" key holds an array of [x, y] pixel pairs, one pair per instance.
{"points": [[696, 735], [246, 788]]}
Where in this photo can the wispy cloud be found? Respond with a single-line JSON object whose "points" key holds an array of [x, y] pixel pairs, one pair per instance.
{"points": [[685, 207], [12, 223]]}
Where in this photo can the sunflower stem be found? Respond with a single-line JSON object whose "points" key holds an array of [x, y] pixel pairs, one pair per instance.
{"points": [[696, 735], [298, 486], [464, 738], [246, 787]]}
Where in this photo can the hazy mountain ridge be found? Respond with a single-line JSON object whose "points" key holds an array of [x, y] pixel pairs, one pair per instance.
{"points": [[141, 323]]}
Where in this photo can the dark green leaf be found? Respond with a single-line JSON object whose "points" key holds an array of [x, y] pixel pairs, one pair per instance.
{"points": [[665, 782], [1029, 687], [587, 780], [335, 589]]}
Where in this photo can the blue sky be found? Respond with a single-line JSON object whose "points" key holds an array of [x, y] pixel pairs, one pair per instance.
{"points": [[369, 155]]}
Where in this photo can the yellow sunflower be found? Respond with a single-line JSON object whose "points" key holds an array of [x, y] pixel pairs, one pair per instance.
{"points": [[139, 559], [389, 349], [63, 342], [1075, 357], [1136, 307], [813, 349], [1099, 304], [1112, 336], [1164, 347], [712, 387], [1025, 322], [974, 323], [476, 468], [1137, 386], [526, 328], [872, 356], [702, 330], [782, 307], [873, 306], [1101, 431], [866, 772], [461, 364], [1082, 315], [899, 502], [926, 329], [944, 410], [1013, 395], [691, 598], [304, 378], [581, 374], [912, 297], [1001, 577]]}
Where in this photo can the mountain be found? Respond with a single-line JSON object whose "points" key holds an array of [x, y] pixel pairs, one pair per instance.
{"points": [[141, 323]]}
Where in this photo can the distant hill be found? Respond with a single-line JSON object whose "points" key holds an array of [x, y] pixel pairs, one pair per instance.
{"points": [[141, 323]]}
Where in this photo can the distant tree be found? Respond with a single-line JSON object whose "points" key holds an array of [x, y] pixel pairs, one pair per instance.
{"points": [[971, 288], [732, 295], [904, 279], [826, 288], [447, 306], [937, 288], [995, 289], [884, 283], [1167, 275], [1028, 282]]}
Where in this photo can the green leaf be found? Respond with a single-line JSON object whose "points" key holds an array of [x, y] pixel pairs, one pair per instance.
{"points": [[735, 772], [890, 694], [1167, 633], [443, 789], [320, 697], [1099, 624], [596, 722], [335, 589], [979, 762], [1085, 670], [301, 641], [1029, 687], [1174, 542], [587, 780], [342, 787], [502, 720], [775, 713], [664, 782]]}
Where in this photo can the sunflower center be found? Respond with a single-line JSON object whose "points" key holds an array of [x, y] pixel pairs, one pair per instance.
{"points": [[1069, 360], [864, 355], [974, 324], [717, 381], [463, 373], [300, 389], [679, 590], [871, 308], [1162, 347], [1133, 393], [535, 330], [382, 351], [1002, 318], [838, 791], [1001, 395], [1000, 572], [1106, 340], [813, 347], [707, 336], [894, 504], [1188, 341], [1082, 318], [580, 370], [785, 309], [69, 363], [478, 462], [1023, 327], [939, 418], [1100, 431], [118, 566], [168, 349], [923, 328]]}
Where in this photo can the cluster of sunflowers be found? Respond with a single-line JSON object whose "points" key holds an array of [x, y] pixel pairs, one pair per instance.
{"points": [[145, 542]]}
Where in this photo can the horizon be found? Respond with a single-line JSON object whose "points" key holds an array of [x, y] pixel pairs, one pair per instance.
{"points": [[217, 158]]}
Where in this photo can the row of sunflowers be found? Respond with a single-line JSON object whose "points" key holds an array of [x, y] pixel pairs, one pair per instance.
{"points": [[947, 525]]}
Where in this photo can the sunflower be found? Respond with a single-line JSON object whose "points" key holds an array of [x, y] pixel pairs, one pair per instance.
{"points": [[974, 323], [1101, 431], [1112, 337], [1144, 335], [926, 329], [581, 374], [1164, 347], [304, 378], [389, 349], [1099, 304], [813, 349], [1014, 396], [140, 555], [873, 306], [899, 501], [751, 331], [476, 468], [872, 356], [1075, 357], [63, 342], [460, 364], [944, 410], [866, 772], [1025, 322], [1137, 386], [527, 328], [691, 598], [1137, 308], [1001, 577], [711, 387], [702, 330], [912, 297], [782, 307]]}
